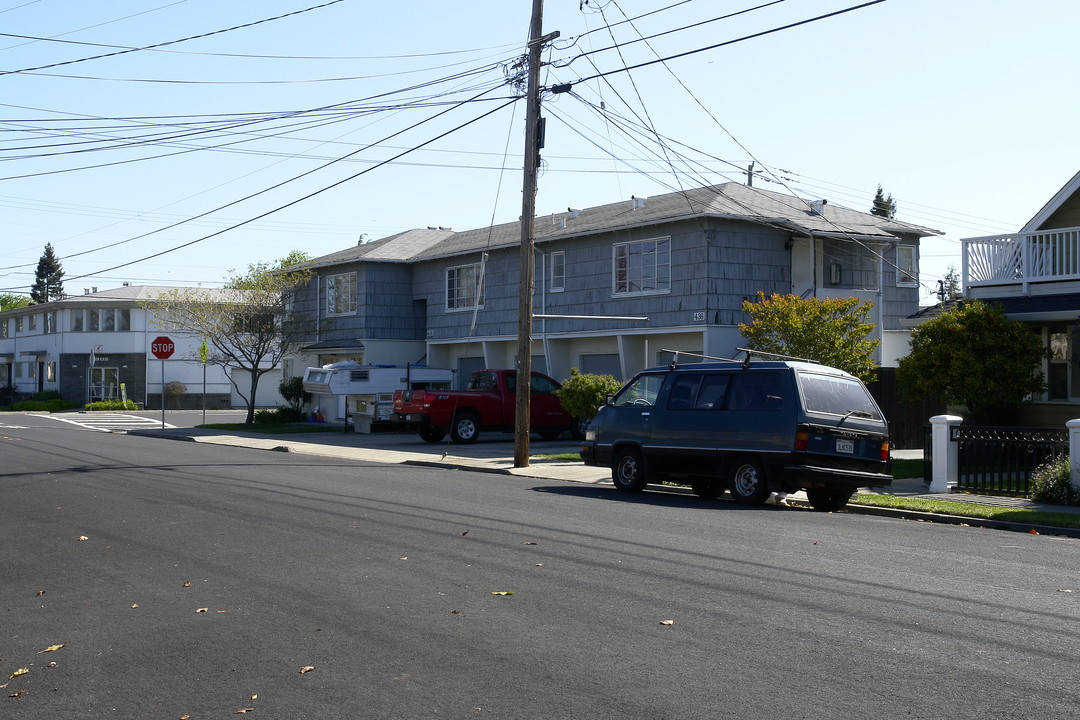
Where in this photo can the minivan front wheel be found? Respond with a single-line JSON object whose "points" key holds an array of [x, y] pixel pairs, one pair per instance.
{"points": [[628, 471], [748, 484]]}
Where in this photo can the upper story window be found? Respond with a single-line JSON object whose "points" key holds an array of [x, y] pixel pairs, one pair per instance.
{"points": [[50, 322], [642, 267], [558, 272], [3, 328], [907, 274], [20, 324], [463, 287], [33, 323], [341, 294], [100, 320]]}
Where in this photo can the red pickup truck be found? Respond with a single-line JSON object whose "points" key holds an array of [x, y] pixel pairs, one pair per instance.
{"points": [[488, 403]]}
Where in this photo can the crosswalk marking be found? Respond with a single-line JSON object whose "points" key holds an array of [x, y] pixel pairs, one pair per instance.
{"points": [[107, 422]]}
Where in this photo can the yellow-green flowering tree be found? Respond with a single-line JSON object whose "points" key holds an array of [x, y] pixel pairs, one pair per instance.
{"points": [[973, 355], [831, 331]]}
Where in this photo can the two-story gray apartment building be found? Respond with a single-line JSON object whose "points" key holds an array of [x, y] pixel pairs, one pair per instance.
{"points": [[615, 285]]}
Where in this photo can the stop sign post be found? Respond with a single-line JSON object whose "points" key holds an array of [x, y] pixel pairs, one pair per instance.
{"points": [[162, 347]]}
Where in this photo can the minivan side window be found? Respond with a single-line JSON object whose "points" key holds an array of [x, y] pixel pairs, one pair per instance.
{"points": [[683, 392], [756, 391], [837, 396], [642, 390]]}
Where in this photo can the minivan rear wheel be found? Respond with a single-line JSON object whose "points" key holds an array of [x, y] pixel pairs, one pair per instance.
{"points": [[827, 500], [748, 484], [628, 471]]}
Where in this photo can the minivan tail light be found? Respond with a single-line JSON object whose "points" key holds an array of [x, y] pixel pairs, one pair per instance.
{"points": [[802, 440]]}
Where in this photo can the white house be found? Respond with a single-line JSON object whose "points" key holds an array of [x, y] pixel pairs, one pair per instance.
{"points": [[96, 346]]}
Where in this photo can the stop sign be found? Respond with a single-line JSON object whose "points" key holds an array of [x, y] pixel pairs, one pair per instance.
{"points": [[162, 347]]}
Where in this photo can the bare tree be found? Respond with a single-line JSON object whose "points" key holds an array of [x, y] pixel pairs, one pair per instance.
{"points": [[248, 326]]}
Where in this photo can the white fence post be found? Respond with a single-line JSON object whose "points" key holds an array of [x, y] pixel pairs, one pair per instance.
{"points": [[943, 476], [1074, 452]]}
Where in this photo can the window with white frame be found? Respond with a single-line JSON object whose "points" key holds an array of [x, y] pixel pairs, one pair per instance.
{"points": [[97, 320], [50, 322], [642, 267], [558, 271], [907, 274], [341, 294], [463, 287]]}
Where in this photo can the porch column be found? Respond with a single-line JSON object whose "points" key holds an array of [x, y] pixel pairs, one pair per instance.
{"points": [[1074, 453], [943, 475]]}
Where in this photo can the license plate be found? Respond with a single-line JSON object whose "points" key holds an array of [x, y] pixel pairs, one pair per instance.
{"points": [[845, 446]]}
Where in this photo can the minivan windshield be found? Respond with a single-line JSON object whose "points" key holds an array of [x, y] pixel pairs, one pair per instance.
{"points": [[837, 396]]}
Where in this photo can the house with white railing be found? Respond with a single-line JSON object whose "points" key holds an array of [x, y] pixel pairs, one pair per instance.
{"points": [[1034, 275]]}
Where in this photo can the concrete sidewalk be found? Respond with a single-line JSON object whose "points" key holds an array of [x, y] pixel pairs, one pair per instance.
{"points": [[494, 453]]}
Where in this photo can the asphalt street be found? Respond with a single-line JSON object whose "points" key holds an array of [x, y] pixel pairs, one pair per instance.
{"points": [[189, 579]]}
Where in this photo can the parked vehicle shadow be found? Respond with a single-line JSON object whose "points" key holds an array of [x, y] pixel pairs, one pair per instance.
{"points": [[657, 495]]}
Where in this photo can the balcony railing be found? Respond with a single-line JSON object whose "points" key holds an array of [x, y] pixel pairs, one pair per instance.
{"points": [[1022, 258]]}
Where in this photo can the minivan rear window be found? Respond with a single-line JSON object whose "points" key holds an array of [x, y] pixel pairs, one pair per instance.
{"points": [[837, 396]]}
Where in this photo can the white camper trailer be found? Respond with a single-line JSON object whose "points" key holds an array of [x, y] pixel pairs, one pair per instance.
{"points": [[365, 393]]}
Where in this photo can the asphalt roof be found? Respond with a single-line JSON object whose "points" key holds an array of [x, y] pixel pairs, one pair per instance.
{"points": [[733, 201]]}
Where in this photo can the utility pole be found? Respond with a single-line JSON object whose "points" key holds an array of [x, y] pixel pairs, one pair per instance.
{"points": [[522, 399]]}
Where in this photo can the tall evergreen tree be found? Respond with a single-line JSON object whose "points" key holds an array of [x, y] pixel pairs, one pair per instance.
{"points": [[884, 205], [48, 278]]}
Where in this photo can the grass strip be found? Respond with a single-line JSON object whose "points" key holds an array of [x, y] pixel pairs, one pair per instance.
{"points": [[972, 510]]}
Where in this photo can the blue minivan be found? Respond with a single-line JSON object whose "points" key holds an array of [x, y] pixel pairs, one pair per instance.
{"points": [[752, 428]]}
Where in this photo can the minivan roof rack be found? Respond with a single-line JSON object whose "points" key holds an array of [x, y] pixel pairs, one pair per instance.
{"points": [[750, 351], [677, 353]]}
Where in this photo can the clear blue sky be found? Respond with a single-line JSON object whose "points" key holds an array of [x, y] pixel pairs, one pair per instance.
{"points": [[958, 109]]}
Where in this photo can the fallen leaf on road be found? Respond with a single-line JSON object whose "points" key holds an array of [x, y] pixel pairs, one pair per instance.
{"points": [[52, 648], [306, 669], [455, 612], [52, 664], [203, 610], [1033, 531], [528, 543], [186, 584], [404, 558], [17, 673], [667, 622], [185, 717], [1064, 590], [40, 593], [465, 533], [254, 697], [134, 606], [17, 693], [539, 564], [241, 711], [502, 592], [83, 538]]}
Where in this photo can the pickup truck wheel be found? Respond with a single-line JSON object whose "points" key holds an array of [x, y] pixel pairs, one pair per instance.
{"points": [[578, 428], [628, 471], [748, 484], [465, 428], [432, 433], [706, 489], [827, 500]]}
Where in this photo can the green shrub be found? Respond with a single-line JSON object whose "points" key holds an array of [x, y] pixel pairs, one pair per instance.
{"points": [[1052, 483], [53, 405], [267, 417], [583, 394], [112, 405], [46, 395], [292, 389], [287, 414]]}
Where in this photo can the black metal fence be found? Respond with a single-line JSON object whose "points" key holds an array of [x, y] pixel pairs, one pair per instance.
{"points": [[1001, 459]]}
